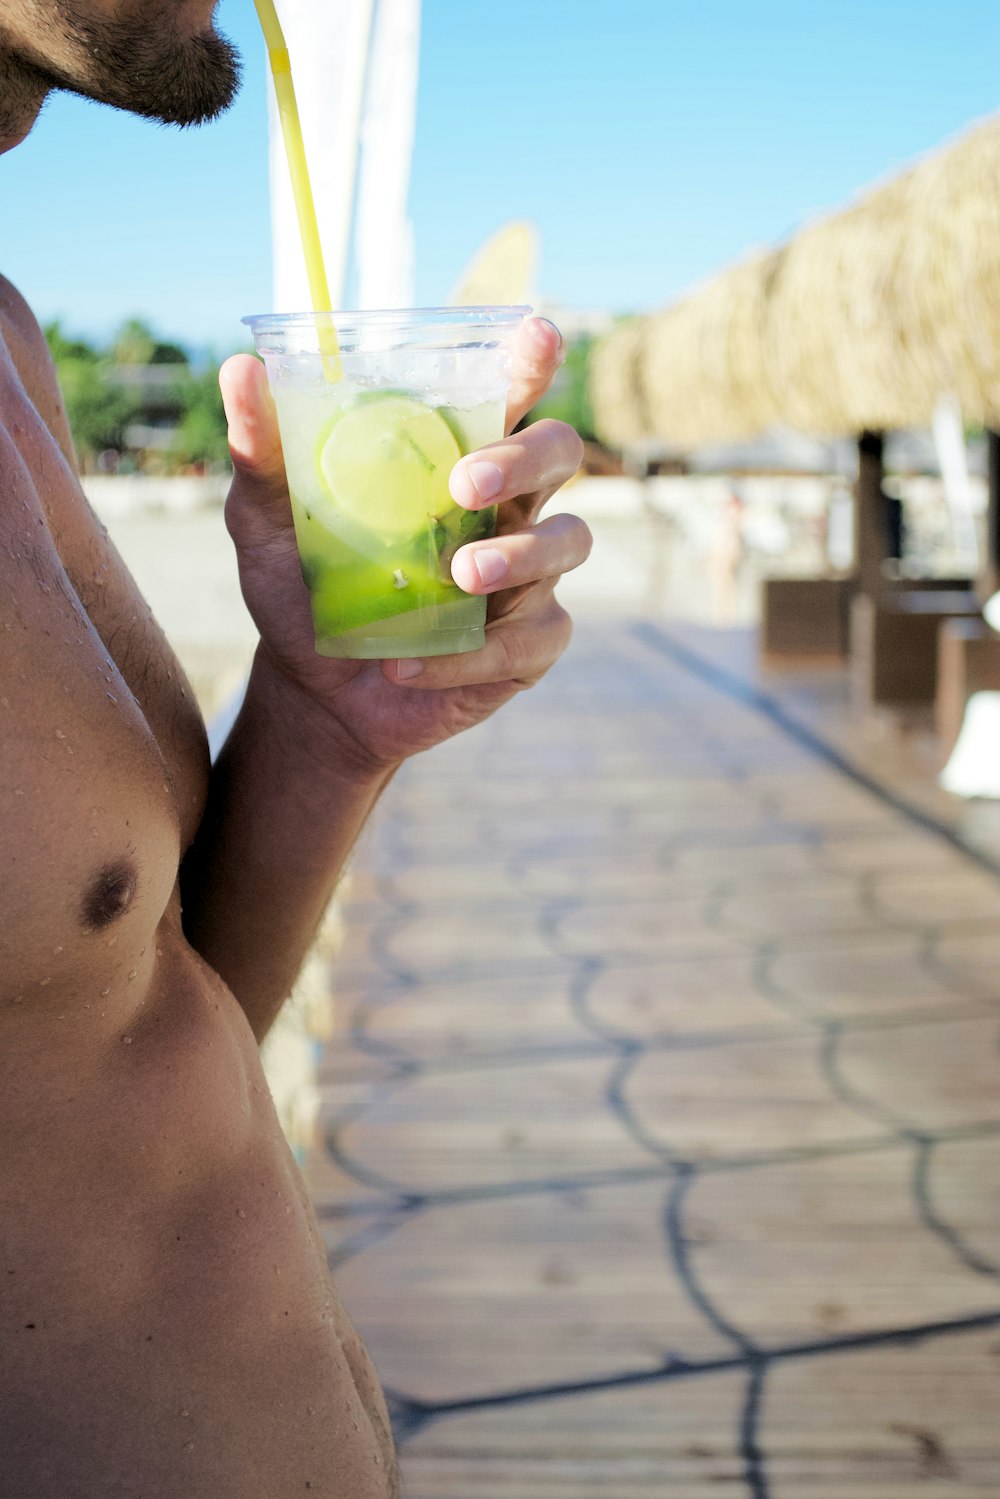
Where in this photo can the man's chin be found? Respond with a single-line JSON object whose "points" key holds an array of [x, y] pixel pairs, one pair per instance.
{"points": [[196, 85], [173, 81]]}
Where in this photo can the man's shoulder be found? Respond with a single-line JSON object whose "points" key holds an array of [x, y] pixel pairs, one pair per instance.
{"points": [[22, 336], [11, 299], [21, 332], [18, 316]]}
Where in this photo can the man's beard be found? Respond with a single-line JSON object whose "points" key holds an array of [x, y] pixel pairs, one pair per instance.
{"points": [[142, 67]]}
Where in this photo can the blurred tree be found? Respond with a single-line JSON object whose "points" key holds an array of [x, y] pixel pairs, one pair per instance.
{"points": [[168, 353], [569, 400], [98, 409], [136, 343], [102, 407], [61, 347], [133, 343], [201, 436]]}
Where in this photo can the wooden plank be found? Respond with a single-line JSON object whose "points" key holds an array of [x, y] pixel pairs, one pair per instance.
{"points": [[671, 1164]]}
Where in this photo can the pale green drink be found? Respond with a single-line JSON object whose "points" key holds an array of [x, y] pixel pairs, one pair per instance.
{"points": [[368, 458]]}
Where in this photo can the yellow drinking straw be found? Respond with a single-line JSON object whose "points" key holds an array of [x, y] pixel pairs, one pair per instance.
{"points": [[305, 207]]}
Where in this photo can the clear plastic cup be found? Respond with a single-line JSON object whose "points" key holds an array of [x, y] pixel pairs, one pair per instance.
{"points": [[368, 457]]}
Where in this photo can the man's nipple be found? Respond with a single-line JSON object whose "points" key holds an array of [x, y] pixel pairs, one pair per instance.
{"points": [[109, 895]]}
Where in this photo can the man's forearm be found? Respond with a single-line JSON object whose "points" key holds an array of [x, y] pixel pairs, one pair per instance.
{"points": [[285, 806]]}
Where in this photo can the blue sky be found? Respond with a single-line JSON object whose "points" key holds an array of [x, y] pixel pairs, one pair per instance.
{"points": [[652, 141]]}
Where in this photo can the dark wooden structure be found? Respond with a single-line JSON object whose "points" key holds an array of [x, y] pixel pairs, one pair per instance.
{"points": [[808, 617], [856, 325], [888, 624]]}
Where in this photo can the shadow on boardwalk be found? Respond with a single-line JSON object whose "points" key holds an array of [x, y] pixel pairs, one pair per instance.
{"points": [[662, 1124]]}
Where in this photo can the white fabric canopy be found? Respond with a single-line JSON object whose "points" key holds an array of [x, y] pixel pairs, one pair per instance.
{"points": [[384, 233], [353, 61]]}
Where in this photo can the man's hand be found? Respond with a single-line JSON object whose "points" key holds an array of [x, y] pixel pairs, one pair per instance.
{"points": [[382, 711], [316, 740]]}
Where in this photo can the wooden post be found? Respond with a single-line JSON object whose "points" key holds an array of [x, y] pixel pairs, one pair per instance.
{"points": [[988, 580], [871, 522]]}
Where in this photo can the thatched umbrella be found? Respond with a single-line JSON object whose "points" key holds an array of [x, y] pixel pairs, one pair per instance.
{"points": [[861, 321], [616, 389], [723, 322]]}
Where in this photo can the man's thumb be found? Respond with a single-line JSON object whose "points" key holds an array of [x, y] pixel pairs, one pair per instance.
{"points": [[253, 428]]}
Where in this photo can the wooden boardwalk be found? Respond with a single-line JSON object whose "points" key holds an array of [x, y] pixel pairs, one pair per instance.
{"points": [[662, 1123]]}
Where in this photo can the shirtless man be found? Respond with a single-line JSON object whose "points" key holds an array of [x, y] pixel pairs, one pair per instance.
{"points": [[168, 1327]]}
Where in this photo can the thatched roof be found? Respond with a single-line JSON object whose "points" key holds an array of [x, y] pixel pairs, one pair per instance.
{"points": [[861, 321]]}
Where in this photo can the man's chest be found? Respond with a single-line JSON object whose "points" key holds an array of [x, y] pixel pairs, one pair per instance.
{"points": [[102, 762], [73, 565]]}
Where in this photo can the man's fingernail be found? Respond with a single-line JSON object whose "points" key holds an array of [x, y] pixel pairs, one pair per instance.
{"points": [[405, 670], [490, 565], [561, 350], [487, 478]]}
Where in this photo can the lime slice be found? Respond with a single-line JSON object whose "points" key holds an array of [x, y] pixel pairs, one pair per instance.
{"points": [[386, 463]]}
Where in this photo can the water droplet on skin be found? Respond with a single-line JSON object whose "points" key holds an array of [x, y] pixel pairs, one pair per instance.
{"points": [[126, 1040], [56, 949], [105, 992], [188, 1446], [43, 982], [185, 1414], [132, 973], [240, 1213]]}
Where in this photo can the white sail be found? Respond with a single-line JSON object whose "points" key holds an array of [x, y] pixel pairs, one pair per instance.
{"points": [[384, 234], [328, 44], [503, 270]]}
